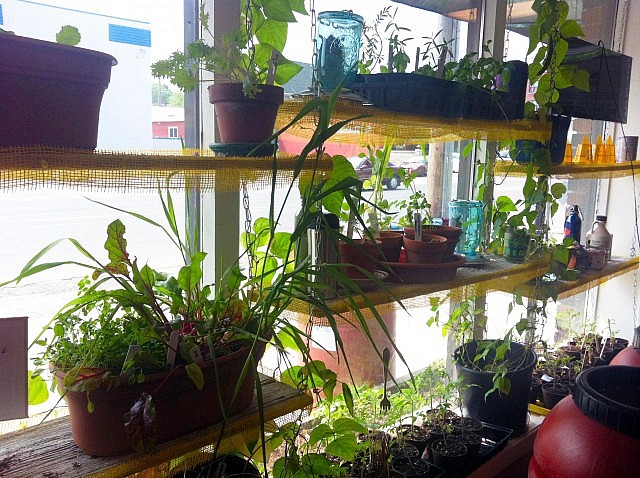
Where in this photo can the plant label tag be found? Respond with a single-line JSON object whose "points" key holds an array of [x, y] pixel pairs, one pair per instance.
{"points": [[375, 227], [546, 378], [417, 226], [196, 355], [173, 348], [131, 354], [351, 224]]}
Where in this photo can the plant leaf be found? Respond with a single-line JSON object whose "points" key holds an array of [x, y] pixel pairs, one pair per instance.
{"points": [[140, 424], [195, 374]]}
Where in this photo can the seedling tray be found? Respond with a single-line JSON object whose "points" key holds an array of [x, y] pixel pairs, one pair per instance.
{"points": [[494, 439]]}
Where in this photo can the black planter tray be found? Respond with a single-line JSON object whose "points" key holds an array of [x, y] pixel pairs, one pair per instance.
{"points": [[494, 439]]}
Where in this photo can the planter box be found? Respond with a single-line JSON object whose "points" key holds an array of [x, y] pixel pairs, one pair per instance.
{"points": [[429, 96], [51, 93], [180, 406]]}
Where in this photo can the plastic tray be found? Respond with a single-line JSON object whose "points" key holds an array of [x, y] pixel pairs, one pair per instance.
{"points": [[408, 273], [494, 439]]}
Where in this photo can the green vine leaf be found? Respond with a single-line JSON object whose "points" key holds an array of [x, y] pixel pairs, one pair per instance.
{"points": [[195, 374]]}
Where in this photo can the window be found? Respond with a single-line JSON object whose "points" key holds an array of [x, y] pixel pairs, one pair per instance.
{"points": [[173, 132]]}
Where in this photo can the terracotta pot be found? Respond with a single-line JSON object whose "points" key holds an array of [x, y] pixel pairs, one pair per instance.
{"points": [[245, 120], [391, 245], [452, 234], [51, 93], [359, 256], [430, 250], [180, 406]]}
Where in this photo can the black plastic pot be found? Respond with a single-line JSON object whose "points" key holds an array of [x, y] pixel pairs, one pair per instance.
{"points": [[559, 129], [510, 411]]}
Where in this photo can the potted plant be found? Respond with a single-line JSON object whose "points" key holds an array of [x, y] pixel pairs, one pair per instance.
{"points": [[477, 86], [418, 204], [138, 343], [66, 81], [547, 70], [519, 227], [376, 207], [497, 375], [249, 64], [175, 325]]}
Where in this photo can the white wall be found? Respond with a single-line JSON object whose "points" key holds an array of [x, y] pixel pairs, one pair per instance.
{"points": [[615, 300], [125, 116]]}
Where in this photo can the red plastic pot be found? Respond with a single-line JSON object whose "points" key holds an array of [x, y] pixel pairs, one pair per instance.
{"points": [[242, 119], [594, 434], [51, 93]]}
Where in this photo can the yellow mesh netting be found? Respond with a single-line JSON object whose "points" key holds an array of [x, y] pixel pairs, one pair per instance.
{"points": [[575, 170], [381, 125], [27, 168]]}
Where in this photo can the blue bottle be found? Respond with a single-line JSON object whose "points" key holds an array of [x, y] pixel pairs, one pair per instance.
{"points": [[573, 224]]}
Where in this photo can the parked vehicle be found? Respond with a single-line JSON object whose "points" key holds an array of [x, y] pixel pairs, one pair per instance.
{"points": [[364, 168], [416, 164]]}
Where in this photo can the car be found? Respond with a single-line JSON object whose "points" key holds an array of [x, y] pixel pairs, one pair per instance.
{"points": [[415, 164], [364, 167]]}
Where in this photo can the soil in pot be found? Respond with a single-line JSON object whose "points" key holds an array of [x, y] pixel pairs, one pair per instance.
{"points": [[359, 257], [472, 441], [462, 425], [430, 250], [452, 233], [552, 393], [414, 468], [415, 435], [450, 455], [245, 120]]}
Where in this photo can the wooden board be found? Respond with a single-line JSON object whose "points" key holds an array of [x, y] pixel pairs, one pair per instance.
{"points": [[48, 449]]}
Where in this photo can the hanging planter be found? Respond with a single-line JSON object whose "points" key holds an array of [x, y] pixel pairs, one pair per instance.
{"points": [[51, 93]]}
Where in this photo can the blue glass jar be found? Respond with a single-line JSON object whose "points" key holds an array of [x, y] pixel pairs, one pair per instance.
{"points": [[338, 42], [468, 216]]}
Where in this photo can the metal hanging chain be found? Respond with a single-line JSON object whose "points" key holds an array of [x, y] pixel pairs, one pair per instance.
{"points": [[248, 223], [622, 25], [506, 38], [315, 84]]}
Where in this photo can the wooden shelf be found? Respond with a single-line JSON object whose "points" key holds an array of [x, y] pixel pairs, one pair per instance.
{"points": [[48, 449], [469, 281], [587, 280], [575, 171]]}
